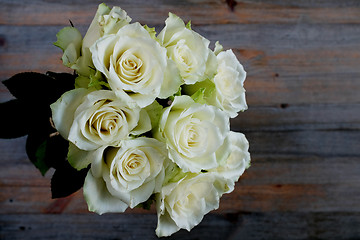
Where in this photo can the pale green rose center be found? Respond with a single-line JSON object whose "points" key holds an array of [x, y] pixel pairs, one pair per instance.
{"points": [[183, 56], [191, 136], [107, 121], [130, 68], [226, 84], [132, 166], [185, 204]]}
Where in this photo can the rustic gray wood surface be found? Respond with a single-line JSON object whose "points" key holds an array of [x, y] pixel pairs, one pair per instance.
{"points": [[303, 121]]}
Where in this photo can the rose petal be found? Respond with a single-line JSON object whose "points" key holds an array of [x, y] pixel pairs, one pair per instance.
{"points": [[64, 108], [98, 198]]}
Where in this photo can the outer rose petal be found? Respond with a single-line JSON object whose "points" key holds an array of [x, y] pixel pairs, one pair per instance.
{"points": [[143, 78], [123, 118], [188, 49], [193, 133], [98, 198], [63, 110], [134, 189], [80, 159], [229, 81], [172, 80], [93, 33], [144, 123], [238, 160], [69, 39], [183, 204]]}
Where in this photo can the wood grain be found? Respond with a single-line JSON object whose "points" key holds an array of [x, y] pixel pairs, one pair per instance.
{"points": [[303, 123], [232, 226]]}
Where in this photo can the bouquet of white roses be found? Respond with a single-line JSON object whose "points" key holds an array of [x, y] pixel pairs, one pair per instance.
{"points": [[143, 119]]}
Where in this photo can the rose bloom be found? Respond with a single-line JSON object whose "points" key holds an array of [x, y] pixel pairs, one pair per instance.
{"points": [[124, 176], [188, 50], [135, 65], [194, 134], [238, 160], [229, 82], [183, 204], [90, 120], [76, 49], [106, 21]]}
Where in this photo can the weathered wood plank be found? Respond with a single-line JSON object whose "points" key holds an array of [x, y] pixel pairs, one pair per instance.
{"points": [[285, 117], [243, 225], [155, 12], [292, 65], [272, 183], [302, 59], [279, 197], [267, 39], [323, 143], [306, 143]]}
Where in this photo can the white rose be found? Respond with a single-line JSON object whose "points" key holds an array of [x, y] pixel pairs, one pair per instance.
{"points": [[94, 119], [135, 65], [183, 204], [188, 50], [125, 176], [235, 164], [229, 82], [194, 134], [105, 22]]}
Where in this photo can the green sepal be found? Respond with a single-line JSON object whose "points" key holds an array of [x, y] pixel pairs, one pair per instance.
{"points": [[198, 96], [154, 110], [173, 173], [218, 48], [82, 82], [98, 82], [188, 25], [205, 89], [151, 31]]}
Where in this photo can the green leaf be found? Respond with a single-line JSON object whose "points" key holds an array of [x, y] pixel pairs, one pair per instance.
{"points": [[13, 118], [67, 180], [37, 87], [46, 150], [56, 151], [36, 144], [40, 162]]}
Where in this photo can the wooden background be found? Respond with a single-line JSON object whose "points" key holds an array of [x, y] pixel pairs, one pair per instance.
{"points": [[303, 122]]}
